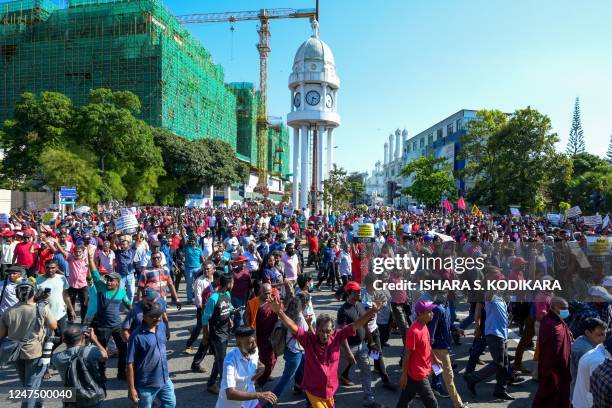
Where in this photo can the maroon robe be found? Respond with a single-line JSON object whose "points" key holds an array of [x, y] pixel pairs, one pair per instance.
{"points": [[265, 321], [554, 363]]}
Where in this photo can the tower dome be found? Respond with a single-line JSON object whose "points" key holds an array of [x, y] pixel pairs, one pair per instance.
{"points": [[314, 62]]}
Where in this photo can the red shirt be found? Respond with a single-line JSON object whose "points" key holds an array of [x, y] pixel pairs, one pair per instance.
{"points": [[24, 256], [321, 361], [242, 284], [43, 257], [313, 244], [418, 341]]}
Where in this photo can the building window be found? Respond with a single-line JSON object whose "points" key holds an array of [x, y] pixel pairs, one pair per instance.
{"points": [[422, 142], [449, 129], [430, 139], [459, 125], [439, 134], [414, 145], [407, 147]]}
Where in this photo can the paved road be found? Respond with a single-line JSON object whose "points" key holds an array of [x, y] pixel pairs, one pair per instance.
{"points": [[191, 388]]}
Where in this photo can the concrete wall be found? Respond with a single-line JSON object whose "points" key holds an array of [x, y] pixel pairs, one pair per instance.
{"points": [[33, 200]]}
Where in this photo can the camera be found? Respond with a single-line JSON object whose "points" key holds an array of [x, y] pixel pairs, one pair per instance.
{"points": [[50, 341]]}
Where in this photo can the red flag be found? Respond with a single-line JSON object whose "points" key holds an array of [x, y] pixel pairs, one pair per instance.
{"points": [[461, 203], [448, 205]]}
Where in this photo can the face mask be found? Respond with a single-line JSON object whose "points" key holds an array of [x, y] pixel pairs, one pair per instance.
{"points": [[564, 313]]}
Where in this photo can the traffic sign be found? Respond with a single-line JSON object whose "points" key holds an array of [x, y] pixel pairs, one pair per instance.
{"points": [[68, 192]]}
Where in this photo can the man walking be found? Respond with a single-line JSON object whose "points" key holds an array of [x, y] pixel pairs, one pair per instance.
{"points": [[418, 359], [554, 360], [147, 366]]}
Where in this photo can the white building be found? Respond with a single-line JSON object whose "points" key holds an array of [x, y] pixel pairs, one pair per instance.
{"points": [[440, 140]]}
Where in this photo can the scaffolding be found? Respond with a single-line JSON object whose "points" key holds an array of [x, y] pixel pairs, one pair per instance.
{"points": [[247, 100], [134, 45]]}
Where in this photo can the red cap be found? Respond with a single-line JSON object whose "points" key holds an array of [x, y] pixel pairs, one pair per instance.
{"points": [[240, 259], [352, 285], [8, 233]]}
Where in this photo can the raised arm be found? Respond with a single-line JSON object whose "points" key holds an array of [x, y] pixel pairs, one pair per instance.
{"points": [[275, 305], [363, 320]]}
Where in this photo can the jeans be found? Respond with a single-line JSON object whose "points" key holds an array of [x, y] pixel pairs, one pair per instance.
{"points": [[380, 363], [129, 285], [401, 315], [31, 375], [219, 348], [189, 274], [498, 347], [423, 388], [104, 334], [197, 329], [292, 362], [360, 352], [83, 295], [165, 395], [526, 338], [465, 323], [238, 302], [478, 347]]}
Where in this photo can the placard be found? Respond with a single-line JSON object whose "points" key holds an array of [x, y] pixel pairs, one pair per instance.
{"points": [[82, 209], [592, 220], [365, 230], [126, 222], [599, 246], [573, 212], [49, 218], [515, 212], [4, 218]]}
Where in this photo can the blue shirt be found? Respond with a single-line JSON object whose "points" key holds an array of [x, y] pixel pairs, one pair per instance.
{"points": [[62, 263], [147, 351], [496, 323], [125, 261], [192, 256], [135, 315], [439, 328]]}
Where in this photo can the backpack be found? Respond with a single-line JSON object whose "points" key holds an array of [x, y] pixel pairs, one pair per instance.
{"points": [[89, 386], [279, 339]]}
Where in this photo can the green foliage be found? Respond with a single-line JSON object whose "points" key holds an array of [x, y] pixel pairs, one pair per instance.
{"points": [[61, 168], [516, 162], [337, 189], [431, 179], [564, 206], [356, 187], [39, 122], [575, 143], [191, 164]]}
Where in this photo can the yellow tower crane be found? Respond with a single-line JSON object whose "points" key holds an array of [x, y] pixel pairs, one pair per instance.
{"points": [[264, 16]]}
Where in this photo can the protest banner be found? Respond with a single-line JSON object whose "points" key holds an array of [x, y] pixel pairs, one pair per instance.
{"points": [[365, 230], [592, 220], [127, 211], [4, 218], [599, 246], [555, 219], [573, 212], [515, 212], [126, 222], [49, 218]]}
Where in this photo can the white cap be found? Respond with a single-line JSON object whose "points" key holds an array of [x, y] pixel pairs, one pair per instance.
{"points": [[601, 292]]}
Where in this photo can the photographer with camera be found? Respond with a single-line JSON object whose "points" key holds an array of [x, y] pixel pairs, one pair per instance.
{"points": [[85, 354], [22, 333]]}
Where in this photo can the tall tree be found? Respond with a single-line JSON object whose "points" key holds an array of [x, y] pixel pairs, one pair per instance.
{"points": [[431, 179], [38, 122], [336, 191], [575, 143], [124, 144], [609, 153], [480, 156]]}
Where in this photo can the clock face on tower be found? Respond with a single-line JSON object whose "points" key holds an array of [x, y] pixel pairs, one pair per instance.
{"points": [[313, 98], [329, 101], [297, 99]]}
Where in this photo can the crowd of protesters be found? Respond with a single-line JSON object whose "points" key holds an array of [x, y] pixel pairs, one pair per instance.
{"points": [[250, 272]]}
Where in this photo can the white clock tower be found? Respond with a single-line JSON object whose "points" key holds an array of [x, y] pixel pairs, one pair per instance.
{"points": [[314, 89]]}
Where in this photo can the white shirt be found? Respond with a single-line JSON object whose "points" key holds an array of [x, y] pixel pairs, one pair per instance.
{"points": [[9, 299], [207, 246], [199, 286], [592, 359], [107, 261], [58, 284], [252, 264], [237, 373], [6, 251]]}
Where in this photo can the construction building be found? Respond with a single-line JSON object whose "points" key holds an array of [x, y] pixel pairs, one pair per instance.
{"points": [[130, 45]]}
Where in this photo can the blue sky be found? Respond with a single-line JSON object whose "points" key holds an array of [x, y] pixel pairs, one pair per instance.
{"points": [[411, 63]]}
